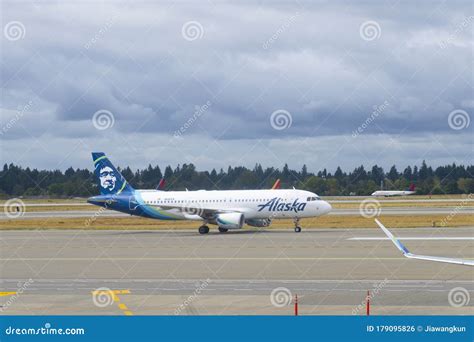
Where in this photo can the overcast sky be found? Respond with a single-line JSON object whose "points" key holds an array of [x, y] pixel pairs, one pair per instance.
{"points": [[221, 84]]}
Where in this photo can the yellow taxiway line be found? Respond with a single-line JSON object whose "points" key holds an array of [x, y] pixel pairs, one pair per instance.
{"points": [[116, 298]]}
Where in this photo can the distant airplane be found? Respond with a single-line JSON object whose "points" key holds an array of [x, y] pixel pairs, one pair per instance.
{"points": [[407, 253], [228, 209], [277, 184], [161, 184], [388, 193]]}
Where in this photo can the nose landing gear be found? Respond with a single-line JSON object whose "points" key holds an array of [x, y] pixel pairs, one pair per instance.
{"points": [[296, 221]]}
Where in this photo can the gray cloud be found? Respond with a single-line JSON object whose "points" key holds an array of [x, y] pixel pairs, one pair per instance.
{"points": [[250, 60]]}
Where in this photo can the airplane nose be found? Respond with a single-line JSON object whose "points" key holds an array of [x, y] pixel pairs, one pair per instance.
{"points": [[327, 207]]}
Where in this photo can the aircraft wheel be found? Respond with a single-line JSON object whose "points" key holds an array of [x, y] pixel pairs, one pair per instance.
{"points": [[203, 230], [223, 230], [297, 229]]}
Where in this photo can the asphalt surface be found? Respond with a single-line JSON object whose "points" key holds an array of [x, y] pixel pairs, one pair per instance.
{"points": [[182, 272]]}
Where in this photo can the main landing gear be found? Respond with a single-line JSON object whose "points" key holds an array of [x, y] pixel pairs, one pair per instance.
{"points": [[296, 221], [203, 229]]}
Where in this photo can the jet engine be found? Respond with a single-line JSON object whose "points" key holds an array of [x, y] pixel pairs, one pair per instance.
{"points": [[230, 220]]}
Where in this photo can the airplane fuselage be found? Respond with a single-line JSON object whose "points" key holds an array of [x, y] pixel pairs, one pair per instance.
{"points": [[190, 205], [389, 193]]}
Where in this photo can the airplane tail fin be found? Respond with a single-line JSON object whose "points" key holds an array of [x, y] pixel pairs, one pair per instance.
{"points": [[277, 184], [412, 187], [108, 177], [161, 184]]}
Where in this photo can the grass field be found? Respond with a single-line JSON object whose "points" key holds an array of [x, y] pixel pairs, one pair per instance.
{"points": [[135, 223]]}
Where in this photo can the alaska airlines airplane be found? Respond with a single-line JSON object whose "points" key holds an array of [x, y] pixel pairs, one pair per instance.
{"points": [[228, 209], [389, 193]]}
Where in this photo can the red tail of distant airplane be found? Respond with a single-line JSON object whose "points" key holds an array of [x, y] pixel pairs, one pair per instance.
{"points": [[276, 185], [161, 184]]}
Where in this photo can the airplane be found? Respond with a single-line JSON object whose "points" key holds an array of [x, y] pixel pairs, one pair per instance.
{"points": [[389, 193], [407, 253], [228, 209], [161, 184], [277, 184]]}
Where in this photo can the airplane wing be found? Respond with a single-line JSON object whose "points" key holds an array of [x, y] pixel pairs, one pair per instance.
{"points": [[407, 253], [202, 211]]}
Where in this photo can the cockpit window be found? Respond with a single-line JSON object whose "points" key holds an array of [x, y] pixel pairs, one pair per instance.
{"points": [[315, 198]]}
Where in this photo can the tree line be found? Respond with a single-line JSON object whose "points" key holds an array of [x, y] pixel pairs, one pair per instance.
{"points": [[449, 179]]}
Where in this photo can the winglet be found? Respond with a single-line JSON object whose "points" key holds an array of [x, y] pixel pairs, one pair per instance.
{"points": [[407, 254], [395, 241]]}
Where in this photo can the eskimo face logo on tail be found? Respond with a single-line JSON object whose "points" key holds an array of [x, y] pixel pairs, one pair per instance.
{"points": [[107, 177], [277, 204]]}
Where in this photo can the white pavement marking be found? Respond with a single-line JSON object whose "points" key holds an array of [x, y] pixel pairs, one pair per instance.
{"points": [[414, 238]]}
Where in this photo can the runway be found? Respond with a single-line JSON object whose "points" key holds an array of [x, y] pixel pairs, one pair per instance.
{"points": [[110, 213], [181, 272]]}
